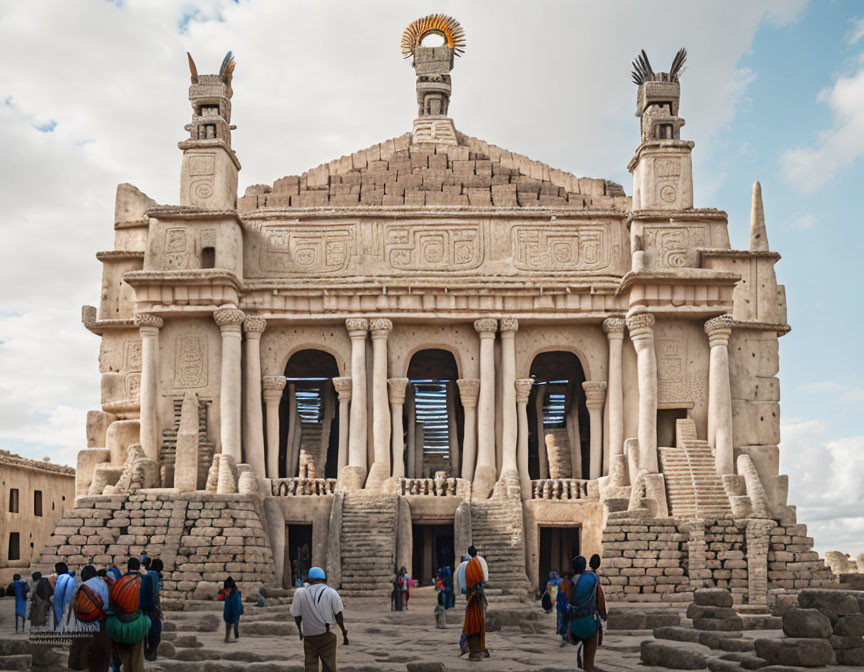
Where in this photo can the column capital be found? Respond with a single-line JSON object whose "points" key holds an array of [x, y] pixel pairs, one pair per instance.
{"points": [[509, 324], [595, 393], [614, 326], [397, 390], [357, 327], [254, 325], [468, 391], [641, 327], [380, 327], [343, 388], [487, 325], [718, 330], [273, 382], [148, 320], [523, 389], [229, 317]]}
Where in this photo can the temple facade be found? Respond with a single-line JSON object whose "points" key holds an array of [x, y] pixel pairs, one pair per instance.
{"points": [[433, 342]]}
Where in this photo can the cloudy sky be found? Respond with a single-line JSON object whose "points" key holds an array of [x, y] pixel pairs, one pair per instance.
{"points": [[93, 93]]}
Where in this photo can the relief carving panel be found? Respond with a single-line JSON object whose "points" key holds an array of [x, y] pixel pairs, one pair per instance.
{"points": [[297, 248], [190, 363], [455, 247], [561, 247], [675, 246], [177, 248]]}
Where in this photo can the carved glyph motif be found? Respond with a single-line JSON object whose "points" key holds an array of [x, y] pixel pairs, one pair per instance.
{"points": [[452, 248], [300, 249], [133, 385], [176, 248], [560, 248], [675, 246], [671, 369], [132, 354], [202, 168], [190, 365]]}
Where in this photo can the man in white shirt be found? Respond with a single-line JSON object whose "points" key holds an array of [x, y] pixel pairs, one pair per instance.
{"points": [[315, 608]]}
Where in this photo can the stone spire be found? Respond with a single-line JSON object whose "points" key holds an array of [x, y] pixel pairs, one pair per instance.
{"points": [[758, 232], [433, 66]]}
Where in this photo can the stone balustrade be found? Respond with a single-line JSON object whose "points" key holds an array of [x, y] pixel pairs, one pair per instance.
{"points": [[437, 487], [302, 486], [559, 489]]}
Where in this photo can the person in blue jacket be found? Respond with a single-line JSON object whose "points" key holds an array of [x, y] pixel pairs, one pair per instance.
{"points": [[233, 608], [64, 588], [20, 588]]}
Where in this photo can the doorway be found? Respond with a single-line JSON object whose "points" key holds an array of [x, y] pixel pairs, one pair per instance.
{"points": [[558, 546], [298, 553], [666, 423], [433, 548]]}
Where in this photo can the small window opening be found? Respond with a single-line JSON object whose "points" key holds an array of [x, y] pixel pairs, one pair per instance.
{"points": [[14, 546], [208, 257], [37, 502], [209, 131], [13, 500], [209, 110]]}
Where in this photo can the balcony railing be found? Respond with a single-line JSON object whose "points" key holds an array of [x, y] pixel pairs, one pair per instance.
{"points": [[302, 487], [437, 487], [559, 489]]}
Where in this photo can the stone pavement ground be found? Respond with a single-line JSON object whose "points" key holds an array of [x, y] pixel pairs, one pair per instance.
{"points": [[381, 640]]}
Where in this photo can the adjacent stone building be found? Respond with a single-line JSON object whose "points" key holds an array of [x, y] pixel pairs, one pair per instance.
{"points": [[435, 341], [35, 495]]}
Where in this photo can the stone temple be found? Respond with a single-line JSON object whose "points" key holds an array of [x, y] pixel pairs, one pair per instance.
{"points": [[433, 342]]}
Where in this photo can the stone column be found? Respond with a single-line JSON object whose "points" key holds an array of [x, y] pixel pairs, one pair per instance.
{"points": [[719, 394], [357, 330], [523, 391], [412, 431], [468, 389], [641, 326], [595, 396], [253, 427], [230, 318], [149, 326], [485, 473], [509, 327], [543, 462], [272, 389], [397, 437], [343, 392], [452, 429], [614, 328], [380, 470]]}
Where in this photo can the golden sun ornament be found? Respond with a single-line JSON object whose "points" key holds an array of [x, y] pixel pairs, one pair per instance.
{"points": [[445, 26]]}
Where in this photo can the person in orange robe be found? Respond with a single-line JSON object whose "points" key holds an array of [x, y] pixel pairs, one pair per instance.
{"points": [[475, 612]]}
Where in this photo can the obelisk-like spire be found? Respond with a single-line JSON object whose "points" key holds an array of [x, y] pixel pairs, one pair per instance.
{"points": [[758, 232]]}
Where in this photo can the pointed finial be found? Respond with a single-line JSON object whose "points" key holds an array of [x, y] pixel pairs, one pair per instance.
{"points": [[758, 232]]}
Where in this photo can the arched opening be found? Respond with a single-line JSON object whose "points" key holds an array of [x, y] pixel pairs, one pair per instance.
{"points": [[558, 428], [308, 417], [433, 415]]}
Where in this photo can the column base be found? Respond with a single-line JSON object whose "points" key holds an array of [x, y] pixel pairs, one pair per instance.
{"points": [[377, 475], [352, 478], [484, 481], [508, 486]]}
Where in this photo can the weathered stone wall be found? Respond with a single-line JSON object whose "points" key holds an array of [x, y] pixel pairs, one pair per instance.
{"points": [[664, 559], [200, 536]]}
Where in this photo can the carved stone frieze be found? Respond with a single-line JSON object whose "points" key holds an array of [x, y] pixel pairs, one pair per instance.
{"points": [[228, 315], [561, 247], [148, 320], [254, 324], [357, 326], [613, 325], [486, 326], [509, 324]]}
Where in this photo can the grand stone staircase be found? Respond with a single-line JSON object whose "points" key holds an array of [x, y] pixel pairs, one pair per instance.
{"points": [[497, 533], [693, 487], [368, 545]]}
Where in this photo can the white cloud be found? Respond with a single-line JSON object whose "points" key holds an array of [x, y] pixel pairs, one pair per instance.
{"points": [[106, 83], [857, 31], [803, 222], [825, 478], [808, 168]]}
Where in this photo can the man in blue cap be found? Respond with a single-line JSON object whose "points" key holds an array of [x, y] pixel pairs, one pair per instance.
{"points": [[315, 608]]}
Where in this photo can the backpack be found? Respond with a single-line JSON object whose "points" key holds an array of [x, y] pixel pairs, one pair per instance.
{"points": [[126, 594], [88, 605]]}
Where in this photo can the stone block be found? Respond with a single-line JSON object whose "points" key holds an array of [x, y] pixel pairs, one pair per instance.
{"points": [[712, 597], [795, 652], [832, 603], [850, 626], [719, 624], [698, 611], [806, 623], [660, 654]]}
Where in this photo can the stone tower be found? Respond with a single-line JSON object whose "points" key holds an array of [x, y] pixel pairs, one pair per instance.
{"points": [[208, 174], [661, 167]]}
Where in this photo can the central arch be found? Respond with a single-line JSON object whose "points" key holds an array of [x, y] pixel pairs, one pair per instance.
{"points": [[558, 438], [433, 415], [308, 417]]}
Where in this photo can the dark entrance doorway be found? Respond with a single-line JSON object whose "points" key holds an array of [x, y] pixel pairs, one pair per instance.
{"points": [[298, 553], [433, 548], [558, 546]]}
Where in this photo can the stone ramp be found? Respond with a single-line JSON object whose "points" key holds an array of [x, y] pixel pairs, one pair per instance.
{"points": [[694, 489], [498, 534], [368, 545]]}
